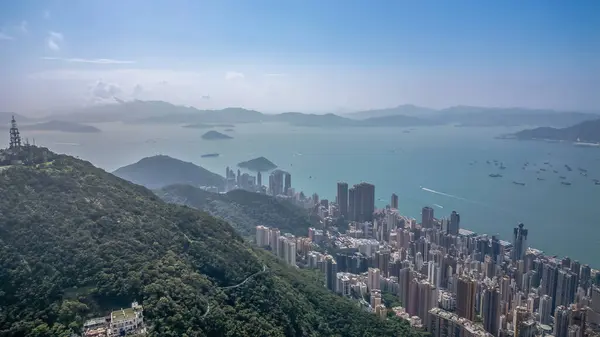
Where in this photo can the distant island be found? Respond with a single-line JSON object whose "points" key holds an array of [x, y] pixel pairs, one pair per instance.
{"points": [[584, 132], [228, 130], [60, 126], [214, 135], [209, 155], [260, 164], [207, 126]]}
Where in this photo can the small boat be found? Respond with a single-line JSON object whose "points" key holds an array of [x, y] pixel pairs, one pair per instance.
{"points": [[583, 174], [597, 183], [518, 183], [565, 183], [555, 171], [568, 167], [563, 177], [502, 167], [209, 155], [487, 161], [547, 162], [543, 169], [540, 178], [495, 175]]}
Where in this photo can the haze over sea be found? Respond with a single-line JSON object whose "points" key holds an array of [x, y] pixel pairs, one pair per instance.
{"points": [[426, 166]]}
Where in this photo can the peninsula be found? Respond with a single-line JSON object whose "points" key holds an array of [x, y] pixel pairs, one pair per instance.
{"points": [[585, 132], [260, 164], [214, 135]]}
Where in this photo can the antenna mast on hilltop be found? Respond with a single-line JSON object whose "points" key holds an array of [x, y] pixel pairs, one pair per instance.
{"points": [[15, 138]]}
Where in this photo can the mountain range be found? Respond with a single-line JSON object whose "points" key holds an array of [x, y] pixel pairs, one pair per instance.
{"points": [[77, 242], [159, 112]]}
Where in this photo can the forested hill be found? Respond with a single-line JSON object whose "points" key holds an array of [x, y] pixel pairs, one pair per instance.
{"points": [[76, 242], [242, 209]]}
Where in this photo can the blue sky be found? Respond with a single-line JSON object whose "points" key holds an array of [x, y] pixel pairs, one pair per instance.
{"points": [[317, 56]]}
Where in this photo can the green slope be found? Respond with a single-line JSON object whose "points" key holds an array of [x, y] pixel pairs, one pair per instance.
{"points": [[242, 209], [76, 241]]}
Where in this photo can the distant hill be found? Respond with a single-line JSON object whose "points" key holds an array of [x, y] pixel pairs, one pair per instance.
{"points": [[215, 135], [260, 164], [158, 112], [405, 110], [242, 209], [77, 242], [399, 121], [207, 126], [61, 126], [6, 117], [159, 171], [478, 116], [588, 131], [300, 119]]}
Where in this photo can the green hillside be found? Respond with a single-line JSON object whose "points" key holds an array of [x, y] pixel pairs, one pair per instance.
{"points": [[76, 242], [242, 209]]}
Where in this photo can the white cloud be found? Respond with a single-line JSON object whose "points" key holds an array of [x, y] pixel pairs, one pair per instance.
{"points": [[23, 27], [104, 90], [53, 40], [234, 75], [94, 61], [4, 36]]}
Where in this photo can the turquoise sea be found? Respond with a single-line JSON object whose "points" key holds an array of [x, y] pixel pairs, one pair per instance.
{"points": [[424, 166]]}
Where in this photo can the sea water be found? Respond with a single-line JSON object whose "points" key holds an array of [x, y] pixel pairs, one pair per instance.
{"points": [[443, 167]]}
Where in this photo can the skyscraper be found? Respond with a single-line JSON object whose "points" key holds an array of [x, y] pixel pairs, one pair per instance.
{"points": [[520, 315], [491, 309], [454, 224], [342, 198], [259, 179], [352, 204], [363, 203], [394, 201], [330, 272], [288, 182], [519, 243], [276, 182], [465, 297], [427, 217], [545, 309], [561, 321]]}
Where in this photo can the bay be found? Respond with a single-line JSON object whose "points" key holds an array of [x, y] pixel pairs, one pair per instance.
{"points": [[443, 167]]}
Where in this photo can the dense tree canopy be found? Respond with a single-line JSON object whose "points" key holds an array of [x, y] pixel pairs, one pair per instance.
{"points": [[242, 209], [76, 242]]}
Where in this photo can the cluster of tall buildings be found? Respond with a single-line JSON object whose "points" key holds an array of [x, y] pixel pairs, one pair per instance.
{"points": [[446, 279], [280, 182], [356, 203], [285, 246]]}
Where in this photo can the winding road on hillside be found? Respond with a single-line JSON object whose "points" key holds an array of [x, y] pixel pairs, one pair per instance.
{"points": [[237, 285], [264, 270]]}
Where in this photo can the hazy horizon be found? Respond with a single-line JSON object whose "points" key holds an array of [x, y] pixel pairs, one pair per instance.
{"points": [[309, 57]]}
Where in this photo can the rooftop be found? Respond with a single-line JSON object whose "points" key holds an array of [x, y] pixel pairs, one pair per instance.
{"points": [[123, 314]]}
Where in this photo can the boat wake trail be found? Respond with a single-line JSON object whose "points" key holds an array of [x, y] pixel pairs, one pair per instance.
{"points": [[436, 205], [450, 196]]}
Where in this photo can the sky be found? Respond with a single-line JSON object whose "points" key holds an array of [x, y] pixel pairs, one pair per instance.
{"points": [[307, 56]]}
